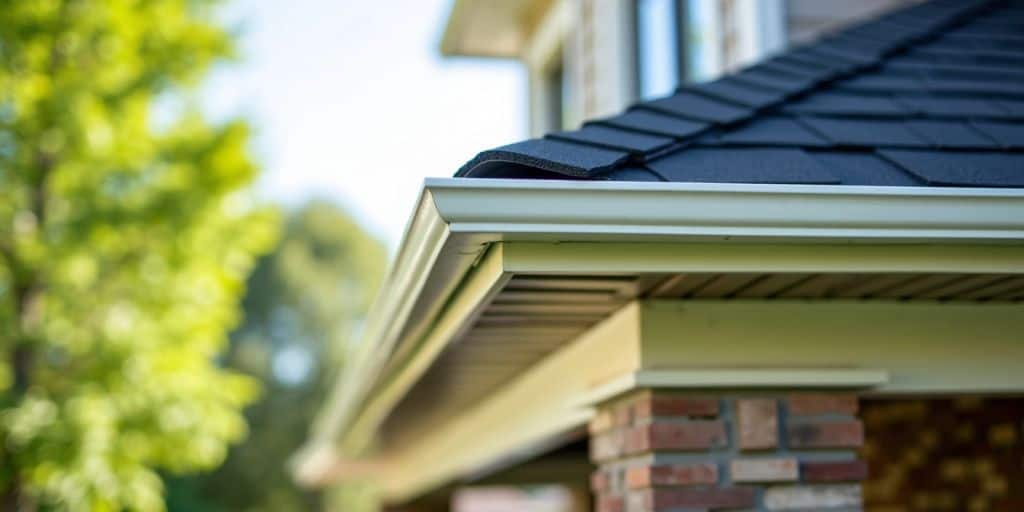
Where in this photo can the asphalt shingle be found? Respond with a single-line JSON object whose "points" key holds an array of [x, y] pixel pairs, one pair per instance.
{"points": [[1012, 108], [930, 71], [882, 83], [932, 94], [1004, 41], [1007, 135], [950, 134], [858, 168], [843, 55], [552, 156], [960, 56], [865, 133], [655, 123], [696, 107], [847, 103], [633, 174], [963, 169], [807, 56], [775, 131], [954, 107], [613, 138], [770, 77], [732, 165], [730, 90], [977, 87], [797, 67]]}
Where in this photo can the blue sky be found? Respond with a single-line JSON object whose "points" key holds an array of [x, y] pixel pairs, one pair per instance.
{"points": [[351, 101]]}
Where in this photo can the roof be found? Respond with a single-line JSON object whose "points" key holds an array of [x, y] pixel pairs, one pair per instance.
{"points": [[800, 222], [931, 95]]}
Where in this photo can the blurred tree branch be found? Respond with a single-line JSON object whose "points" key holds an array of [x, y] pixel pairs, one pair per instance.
{"points": [[124, 248]]}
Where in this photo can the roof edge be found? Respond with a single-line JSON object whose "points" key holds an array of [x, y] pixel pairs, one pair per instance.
{"points": [[457, 218], [508, 209], [418, 253]]}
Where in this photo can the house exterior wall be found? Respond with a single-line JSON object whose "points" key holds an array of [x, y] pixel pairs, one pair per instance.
{"points": [[603, 57], [671, 450], [661, 450], [596, 41], [596, 44]]}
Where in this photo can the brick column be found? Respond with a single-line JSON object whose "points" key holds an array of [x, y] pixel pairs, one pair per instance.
{"points": [[661, 450]]}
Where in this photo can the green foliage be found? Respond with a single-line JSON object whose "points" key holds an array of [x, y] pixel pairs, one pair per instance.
{"points": [[303, 303], [123, 252]]}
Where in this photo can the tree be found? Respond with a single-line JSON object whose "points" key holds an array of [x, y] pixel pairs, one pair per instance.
{"points": [[304, 302], [124, 248]]}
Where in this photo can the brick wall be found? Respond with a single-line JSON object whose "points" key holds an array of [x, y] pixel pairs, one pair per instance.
{"points": [[964, 454], [657, 450]]}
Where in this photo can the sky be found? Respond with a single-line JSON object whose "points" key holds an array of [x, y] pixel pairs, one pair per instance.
{"points": [[351, 101]]}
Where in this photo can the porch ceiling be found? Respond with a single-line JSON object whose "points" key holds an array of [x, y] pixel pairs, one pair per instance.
{"points": [[535, 314]]}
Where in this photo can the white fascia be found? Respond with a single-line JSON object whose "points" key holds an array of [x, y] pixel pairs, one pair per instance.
{"points": [[456, 218]]}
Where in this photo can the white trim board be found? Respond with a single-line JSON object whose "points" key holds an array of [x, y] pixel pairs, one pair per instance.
{"points": [[739, 378]]}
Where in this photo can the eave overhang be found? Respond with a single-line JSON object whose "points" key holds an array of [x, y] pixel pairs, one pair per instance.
{"points": [[456, 220], [491, 29]]}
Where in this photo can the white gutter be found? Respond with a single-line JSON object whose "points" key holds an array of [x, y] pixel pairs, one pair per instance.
{"points": [[456, 218], [518, 209]]}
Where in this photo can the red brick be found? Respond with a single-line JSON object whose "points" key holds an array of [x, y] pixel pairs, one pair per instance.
{"points": [[622, 414], [600, 481], [825, 434], [813, 404], [686, 436], [602, 421], [610, 504], [814, 497], [841, 471], [674, 405], [667, 498], [764, 470], [671, 474], [607, 445], [645, 405], [689, 436], [757, 423]]}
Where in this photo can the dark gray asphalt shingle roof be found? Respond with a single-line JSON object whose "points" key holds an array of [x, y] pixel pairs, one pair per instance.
{"points": [[928, 95]]}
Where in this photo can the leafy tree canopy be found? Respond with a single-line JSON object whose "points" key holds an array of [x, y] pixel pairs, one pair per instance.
{"points": [[124, 249], [304, 303]]}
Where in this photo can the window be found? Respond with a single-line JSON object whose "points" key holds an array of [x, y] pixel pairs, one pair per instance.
{"points": [[556, 96], [696, 40], [553, 95], [703, 49], [660, 54]]}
